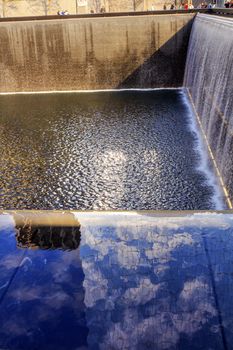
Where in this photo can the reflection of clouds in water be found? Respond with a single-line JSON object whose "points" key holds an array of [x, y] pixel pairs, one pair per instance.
{"points": [[146, 282], [145, 291], [7, 222], [143, 282], [60, 269], [95, 285], [54, 301], [42, 296], [10, 261], [27, 293], [164, 327], [127, 257], [133, 333], [163, 247], [44, 299], [193, 290], [135, 220], [196, 302]]}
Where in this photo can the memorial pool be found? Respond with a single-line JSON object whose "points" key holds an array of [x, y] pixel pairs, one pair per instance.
{"points": [[135, 149]]}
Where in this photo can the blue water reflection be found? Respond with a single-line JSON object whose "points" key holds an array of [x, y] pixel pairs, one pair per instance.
{"points": [[136, 281], [43, 307]]}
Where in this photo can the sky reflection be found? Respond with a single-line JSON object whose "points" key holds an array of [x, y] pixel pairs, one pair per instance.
{"points": [[135, 282]]}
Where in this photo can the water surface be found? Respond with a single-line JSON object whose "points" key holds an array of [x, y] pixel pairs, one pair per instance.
{"points": [[103, 150], [135, 281]]}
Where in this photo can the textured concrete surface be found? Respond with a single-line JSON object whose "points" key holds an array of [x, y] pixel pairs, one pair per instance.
{"points": [[96, 53]]}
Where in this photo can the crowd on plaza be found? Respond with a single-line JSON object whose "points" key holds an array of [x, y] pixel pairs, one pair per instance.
{"points": [[181, 7], [184, 6], [229, 4], [172, 6], [202, 5], [187, 6]]}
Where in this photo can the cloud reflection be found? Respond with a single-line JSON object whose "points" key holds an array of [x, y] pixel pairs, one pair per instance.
{"points": [[147, 281]]}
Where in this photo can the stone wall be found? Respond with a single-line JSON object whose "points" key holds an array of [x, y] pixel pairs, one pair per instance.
{"points": [[94, 53]]}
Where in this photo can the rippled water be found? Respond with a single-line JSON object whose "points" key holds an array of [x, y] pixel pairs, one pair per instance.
{"points": [[103, 150]]}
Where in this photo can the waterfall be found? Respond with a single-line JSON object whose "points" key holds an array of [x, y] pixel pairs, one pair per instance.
{"points": [[209, 81]]}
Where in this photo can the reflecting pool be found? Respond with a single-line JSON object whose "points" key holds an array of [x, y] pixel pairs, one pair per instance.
{"points": [[122, 281], [102, 150]]}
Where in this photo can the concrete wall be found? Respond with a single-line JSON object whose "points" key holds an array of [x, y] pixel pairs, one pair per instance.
{"points": [[94, 53]]}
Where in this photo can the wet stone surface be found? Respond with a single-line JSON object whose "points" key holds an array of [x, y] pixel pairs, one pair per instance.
{"points": [[129, 282], [109, 150]]}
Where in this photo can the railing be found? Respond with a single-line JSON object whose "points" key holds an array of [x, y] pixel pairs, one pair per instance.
{"points": [[223, 11]]}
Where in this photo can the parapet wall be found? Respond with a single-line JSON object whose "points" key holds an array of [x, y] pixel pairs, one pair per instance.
{"points": [[94, 53]]}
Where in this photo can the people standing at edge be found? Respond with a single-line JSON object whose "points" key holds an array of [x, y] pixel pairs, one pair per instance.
{"points": [[229, 4], [203, 5], [164, 7], [63, 13]]}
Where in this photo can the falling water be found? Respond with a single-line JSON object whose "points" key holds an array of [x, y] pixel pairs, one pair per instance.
{"points": [[208, 78]]}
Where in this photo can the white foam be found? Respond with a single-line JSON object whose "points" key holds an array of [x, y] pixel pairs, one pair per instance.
{"points": [[83, 91], [215, 19]]}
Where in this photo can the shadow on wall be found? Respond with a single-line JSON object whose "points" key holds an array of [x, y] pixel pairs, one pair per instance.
{"points": [[165, 67], [83, 55]]}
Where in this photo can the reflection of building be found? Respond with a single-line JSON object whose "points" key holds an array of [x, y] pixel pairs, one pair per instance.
{"points": [[29, 235], [48, 237], [47, 294]]}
